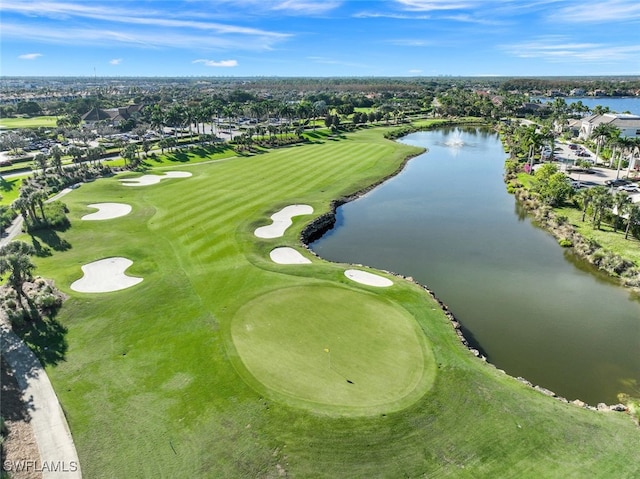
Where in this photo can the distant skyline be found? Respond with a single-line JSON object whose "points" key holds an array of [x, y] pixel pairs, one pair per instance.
{"points": [[309, 38]]}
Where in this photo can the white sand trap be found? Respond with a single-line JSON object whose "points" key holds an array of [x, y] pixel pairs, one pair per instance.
{"points": [[147, 180], [369, 279], [104, 276], [107, 211], [282, 220], [286, 255]]}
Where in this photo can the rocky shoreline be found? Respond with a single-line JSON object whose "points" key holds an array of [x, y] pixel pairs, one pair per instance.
{"points": [[325, 222], [618, 268]]}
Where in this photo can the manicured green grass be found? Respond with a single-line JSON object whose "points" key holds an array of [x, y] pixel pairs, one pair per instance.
{"points": [[9, 189], [196, 154], [35, 122], [153, 385], [606, 236], [302, 343]]}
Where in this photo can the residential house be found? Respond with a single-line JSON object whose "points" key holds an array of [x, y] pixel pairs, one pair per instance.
{"points": [[629, 125], [111, 116]]}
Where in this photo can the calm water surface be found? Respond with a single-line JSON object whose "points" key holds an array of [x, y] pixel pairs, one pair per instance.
{"points": [[534, 310], [615, 104]]}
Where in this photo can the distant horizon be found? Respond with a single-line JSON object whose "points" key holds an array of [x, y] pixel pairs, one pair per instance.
{"points": [[322, 38], [355, 77]]}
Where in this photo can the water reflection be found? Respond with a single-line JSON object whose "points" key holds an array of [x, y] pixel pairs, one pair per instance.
{"points": [[533, 308]]}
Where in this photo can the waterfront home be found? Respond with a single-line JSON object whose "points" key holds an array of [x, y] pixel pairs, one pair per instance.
{"points": [[629, 125]]}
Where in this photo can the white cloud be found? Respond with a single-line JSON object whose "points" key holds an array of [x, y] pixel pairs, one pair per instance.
{"points": [[287, 7], [30, 56], [600, 12], [214, 63], [307, 7], [556, 48], [409, 42], [127, 26], [135, 37], [394, 16], [430, 5], [415, 71], [115, 61]]}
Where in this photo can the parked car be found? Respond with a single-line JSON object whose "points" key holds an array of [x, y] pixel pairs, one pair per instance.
{"points": [[629, 188], [618, 182]]}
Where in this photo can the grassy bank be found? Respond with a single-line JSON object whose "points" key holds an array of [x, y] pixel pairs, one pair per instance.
{"points": [[164, 380], [35, 122]]}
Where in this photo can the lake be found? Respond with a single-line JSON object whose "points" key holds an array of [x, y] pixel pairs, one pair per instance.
{"points": [[533, 309], [615, 104]]}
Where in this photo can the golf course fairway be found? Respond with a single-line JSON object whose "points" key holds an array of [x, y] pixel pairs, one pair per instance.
{"points": [[214, 366], [302, 342]]}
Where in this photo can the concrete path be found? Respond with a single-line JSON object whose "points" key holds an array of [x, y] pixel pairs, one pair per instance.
{"points": [[12, 231], [58, 456], [16, 226]]}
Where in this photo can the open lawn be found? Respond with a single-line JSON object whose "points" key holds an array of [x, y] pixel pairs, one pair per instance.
{"points": [[606, 236], [194, 154], [215, 365], [9, 189], [302, 343], [35, 122]]}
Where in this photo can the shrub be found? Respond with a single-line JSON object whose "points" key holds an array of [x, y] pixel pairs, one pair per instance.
{"points": [[565, 243], [47, 302]]}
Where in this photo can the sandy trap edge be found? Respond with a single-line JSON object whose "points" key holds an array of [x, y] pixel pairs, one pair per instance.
{"points": [[107, 211], [369, 279], [287, 255], [146, 180], [281, 220], [105, 276]]}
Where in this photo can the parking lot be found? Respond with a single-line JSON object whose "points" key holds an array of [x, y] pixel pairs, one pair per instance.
{"points": [[566, 157]]}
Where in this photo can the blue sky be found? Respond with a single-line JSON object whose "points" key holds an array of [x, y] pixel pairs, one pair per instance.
{"points": [[319, 37]]}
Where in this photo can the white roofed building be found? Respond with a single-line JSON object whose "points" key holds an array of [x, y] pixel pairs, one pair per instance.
{"points": [[629, 125]]}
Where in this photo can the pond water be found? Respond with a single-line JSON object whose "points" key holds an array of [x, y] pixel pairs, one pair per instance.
{"points": [[533, 309], [615, 104]]}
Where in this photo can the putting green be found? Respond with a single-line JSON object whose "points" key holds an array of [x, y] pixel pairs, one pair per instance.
{"points": [[335, 349]]}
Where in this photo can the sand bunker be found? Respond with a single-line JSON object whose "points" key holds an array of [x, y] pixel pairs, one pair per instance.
{"points": [[286, 255], [369, 279], [107, 211], [282, 220], [104, 276], [147, 180]]}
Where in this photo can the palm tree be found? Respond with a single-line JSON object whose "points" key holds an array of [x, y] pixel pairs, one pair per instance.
{"points": [[41, 162], [21, 205], [633, 213], [319, 109], [303, 111], [602, 201], [157, 118], [129, 154], [26, 192], [76, 153], [626, 145], [585, 197], [56, 159], [620, 199], [634, 151], [175, 118], [602, 134], [39, 196], [14, 259]]}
